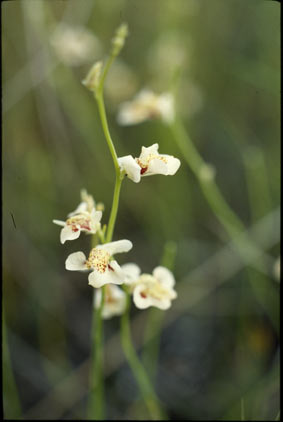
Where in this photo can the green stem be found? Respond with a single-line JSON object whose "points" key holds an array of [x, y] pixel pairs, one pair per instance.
{"points": [[102, 114], [221, 209], [227, 217], [96, 406], [114, 209], [142, 379]]}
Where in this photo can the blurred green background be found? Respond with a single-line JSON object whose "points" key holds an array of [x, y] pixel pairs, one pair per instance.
{"points": [[219, 348]]}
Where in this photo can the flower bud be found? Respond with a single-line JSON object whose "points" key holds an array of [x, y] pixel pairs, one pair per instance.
{"points": [[119, 39], [92, 79]]}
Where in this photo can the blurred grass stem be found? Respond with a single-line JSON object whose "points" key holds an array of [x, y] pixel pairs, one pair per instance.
{"points": [[143, 381], [96, 402], [155, 319]]}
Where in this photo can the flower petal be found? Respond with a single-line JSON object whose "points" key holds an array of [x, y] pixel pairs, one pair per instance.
{"points": [[131, 167], [67, 233], [157, 166], [165, 276], [114, 275], [76, 262], [146, 151], [117, 247], [95, 220], [82, 207], [141, 300], [115, 301], [173, 164], [132, 272], [59, 222]]}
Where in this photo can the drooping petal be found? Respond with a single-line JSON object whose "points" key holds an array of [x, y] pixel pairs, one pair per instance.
{"points": [[59, 222], [132, 272], [164, 276], [67, 233], [114, 275], [157, 166], [116, 247], [76, 262], [131, 167], [173, 164]]}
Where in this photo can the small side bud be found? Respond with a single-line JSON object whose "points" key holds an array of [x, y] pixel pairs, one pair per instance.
{"points": [[92, 79], [207, 172], [100, 206], [119, 39]]}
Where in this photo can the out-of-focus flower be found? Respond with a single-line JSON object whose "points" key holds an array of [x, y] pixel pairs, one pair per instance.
{"points": [[114, 302], [105, 269], [147, 105], [168, 53], [132, 273], [75, 45], [85, 218], [121, 82], [149, 162], [154, 290]]}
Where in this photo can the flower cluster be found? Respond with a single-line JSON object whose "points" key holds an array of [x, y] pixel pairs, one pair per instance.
{"points": [[147, 290], [156, 289]]}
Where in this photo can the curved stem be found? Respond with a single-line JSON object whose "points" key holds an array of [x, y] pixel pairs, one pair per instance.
{"points": [[102, 114], [221, 209], [143, 381]]}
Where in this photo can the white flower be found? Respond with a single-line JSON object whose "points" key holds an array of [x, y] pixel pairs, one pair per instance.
{"points": [[147, 105], [105, 269], [74, 225], [132, 273], [148, 163], [74, 45], [85, 218], [114, 302], [155, 290]]}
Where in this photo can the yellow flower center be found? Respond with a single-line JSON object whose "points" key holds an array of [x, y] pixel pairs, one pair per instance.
{"points": [[153, 288], [98, 260]]}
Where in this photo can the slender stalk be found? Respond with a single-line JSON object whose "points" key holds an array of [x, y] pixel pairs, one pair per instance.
{"points": [[227, 217], [102, 114], [155, 320], [114, 209], [96, 402], [223, 212], [142, 379]]}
